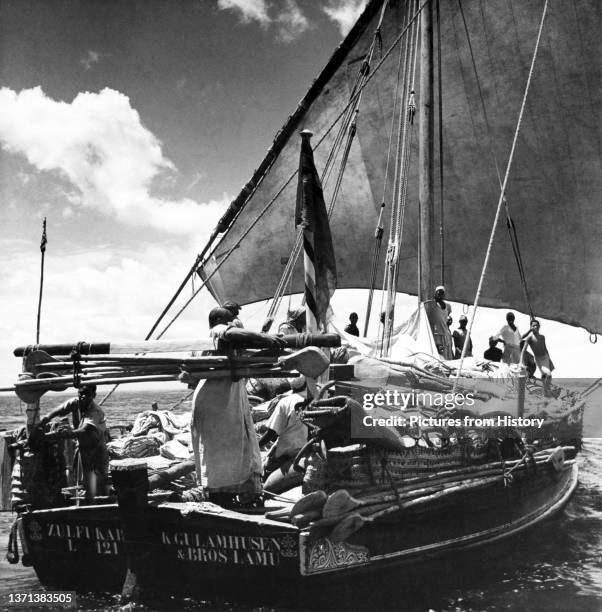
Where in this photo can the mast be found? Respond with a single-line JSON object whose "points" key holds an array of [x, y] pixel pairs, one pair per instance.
{"points": [[426, 158], [43, 244]]}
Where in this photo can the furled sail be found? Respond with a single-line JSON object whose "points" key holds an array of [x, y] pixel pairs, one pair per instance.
{"points": [[555, 187]]}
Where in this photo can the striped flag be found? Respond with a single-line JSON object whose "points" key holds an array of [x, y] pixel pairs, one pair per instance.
{"points": [[318, 253]]}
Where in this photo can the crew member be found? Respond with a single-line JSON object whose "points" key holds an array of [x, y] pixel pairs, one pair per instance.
{"points": [[537, 343], [89, 427], [226, 452], [511, 338], [461, 337], [234, 308], [493, 353], [290, 433], [352, 327], [438, 311]]}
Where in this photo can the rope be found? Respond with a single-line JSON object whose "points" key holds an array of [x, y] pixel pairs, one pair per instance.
{"points": [[519, 260], [294, 174], [182, 400], [503, 189], [108, 395], [481, 97], [404, 147], [378, 241], [12, 553], [589, 390], [509, 221], [508, 477], [379, 231], [230, 251], [393, 246], [183, 284]]}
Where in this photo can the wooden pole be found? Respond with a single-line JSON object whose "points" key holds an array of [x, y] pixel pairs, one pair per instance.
{"points": [[296, 341], [426, 126], [131, 486], [43, 243], [33, 409]]}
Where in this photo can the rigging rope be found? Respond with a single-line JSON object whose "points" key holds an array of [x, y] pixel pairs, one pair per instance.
{"points": [[517, 256], [378, 241], [403, 153], [384, 310], [392, 248], [509, 221], [379, 231], [503, 189]]}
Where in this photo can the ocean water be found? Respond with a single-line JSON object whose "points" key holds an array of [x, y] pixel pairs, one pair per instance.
{"points": [[556, 567]]}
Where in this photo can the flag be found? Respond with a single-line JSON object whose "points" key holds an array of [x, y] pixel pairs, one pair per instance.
{"points": [[44, 241], [318, 253]]}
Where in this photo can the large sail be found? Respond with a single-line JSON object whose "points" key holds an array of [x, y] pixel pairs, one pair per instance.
{"points": [[555, 187]]}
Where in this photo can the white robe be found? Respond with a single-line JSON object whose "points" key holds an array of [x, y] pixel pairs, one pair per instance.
{"points": [[226, 450]]}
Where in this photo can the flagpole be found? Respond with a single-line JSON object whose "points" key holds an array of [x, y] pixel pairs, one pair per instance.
{"points": [[43, 250], [33, 410]]}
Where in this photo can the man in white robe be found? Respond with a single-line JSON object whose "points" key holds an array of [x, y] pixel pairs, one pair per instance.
{"points": [[226, 451]]}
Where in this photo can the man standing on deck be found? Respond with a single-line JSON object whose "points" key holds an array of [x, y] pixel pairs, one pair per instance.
{"points": [[461, 337], [352, 327], [493, 353], [511, 338], [438, 311], [537, 343], [226, 452], [89, 427]]}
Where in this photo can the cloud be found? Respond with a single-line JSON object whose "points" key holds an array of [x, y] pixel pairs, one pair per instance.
{"points": [[92, 295], [99, 144], [248, 10], [344, 12], [291, 21], [285, 15], [92, 57]]}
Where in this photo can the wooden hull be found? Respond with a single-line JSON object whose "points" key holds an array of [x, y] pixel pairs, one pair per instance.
{"points": [[195, 551]]}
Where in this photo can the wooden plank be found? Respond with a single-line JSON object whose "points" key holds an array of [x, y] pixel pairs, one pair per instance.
{"points": [[6, 468]]}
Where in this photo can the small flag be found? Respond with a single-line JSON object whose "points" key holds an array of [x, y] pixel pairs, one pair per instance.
{"points": [[319, 260], [44, 239]]}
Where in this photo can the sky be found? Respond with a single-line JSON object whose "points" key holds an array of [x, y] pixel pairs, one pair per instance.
{"points": [[130, 126]]}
